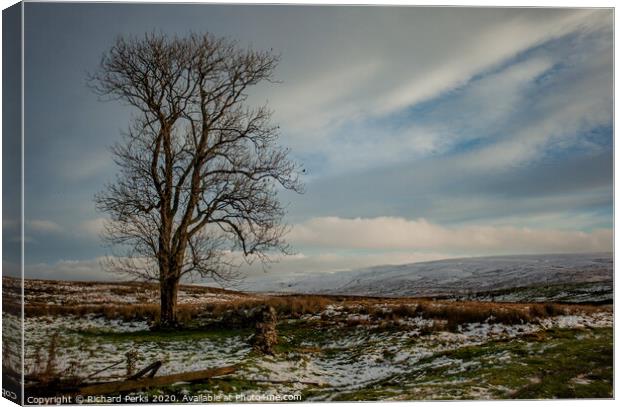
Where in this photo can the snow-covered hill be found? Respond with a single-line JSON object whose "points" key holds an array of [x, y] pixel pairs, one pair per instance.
{"points": [[591, 275]]}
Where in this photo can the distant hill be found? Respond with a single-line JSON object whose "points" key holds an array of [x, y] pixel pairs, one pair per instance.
{"points": [[559, 277]]}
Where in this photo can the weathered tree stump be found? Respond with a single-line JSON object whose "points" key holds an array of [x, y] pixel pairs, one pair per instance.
{"points": [[266, 336], [131, 359]]}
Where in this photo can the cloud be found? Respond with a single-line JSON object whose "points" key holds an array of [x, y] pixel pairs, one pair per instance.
{"points": [[469, 115], [531, 137], [89, 228], [443, 191], [392, 233], [92, 227], [483, 51], [43, 226], [81, 270], [547, 87], [569, 113], [413, 62], [333, 243], [79, 166], [325, 100], [434, 122], [95, 269]]}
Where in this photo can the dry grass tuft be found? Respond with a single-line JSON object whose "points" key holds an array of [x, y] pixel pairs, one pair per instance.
{"points": [[457, 314], [239, 309]]}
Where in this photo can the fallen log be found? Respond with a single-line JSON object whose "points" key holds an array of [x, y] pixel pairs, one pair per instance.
{"points": [[138, 384], [152, 368], [104, 369]]}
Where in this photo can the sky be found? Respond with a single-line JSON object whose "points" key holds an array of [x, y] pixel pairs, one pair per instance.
{"points": [[426, 133]]}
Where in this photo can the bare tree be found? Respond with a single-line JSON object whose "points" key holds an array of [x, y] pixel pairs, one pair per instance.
{"points": [[199, 169]]}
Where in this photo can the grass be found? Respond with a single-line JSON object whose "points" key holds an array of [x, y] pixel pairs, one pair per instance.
{"points": [[384, 313], [342, 331], [237, 311], [285, 306], [457, 314], [577, 368], [562, 363], [558, 363]]}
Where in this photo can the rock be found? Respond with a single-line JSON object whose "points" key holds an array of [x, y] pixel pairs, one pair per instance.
{"points": [[266, 336]]}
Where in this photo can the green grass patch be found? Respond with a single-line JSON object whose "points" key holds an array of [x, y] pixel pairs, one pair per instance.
{"points": [[561, 363]]}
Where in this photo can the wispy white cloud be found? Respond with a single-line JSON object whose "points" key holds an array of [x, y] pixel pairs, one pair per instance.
{"points": [[325, 100], [573, 109], [488, 89], [392, 233], [92, 227], [480, 52], [86, 270], [481, 107], [376, 81], [42, 226], [333, 243], [88, 228]]}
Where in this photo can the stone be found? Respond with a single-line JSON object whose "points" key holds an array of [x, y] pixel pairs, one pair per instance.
{"points": [[266, 335]]}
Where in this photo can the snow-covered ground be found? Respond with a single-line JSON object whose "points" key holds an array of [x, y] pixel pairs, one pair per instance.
{"points": [[559, 277], [361, 354], [346, 349], [340, 358], [94, 343], [451, 277]]}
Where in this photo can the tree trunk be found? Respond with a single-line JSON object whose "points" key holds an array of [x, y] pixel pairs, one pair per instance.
{"points": [[168, 302]]}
